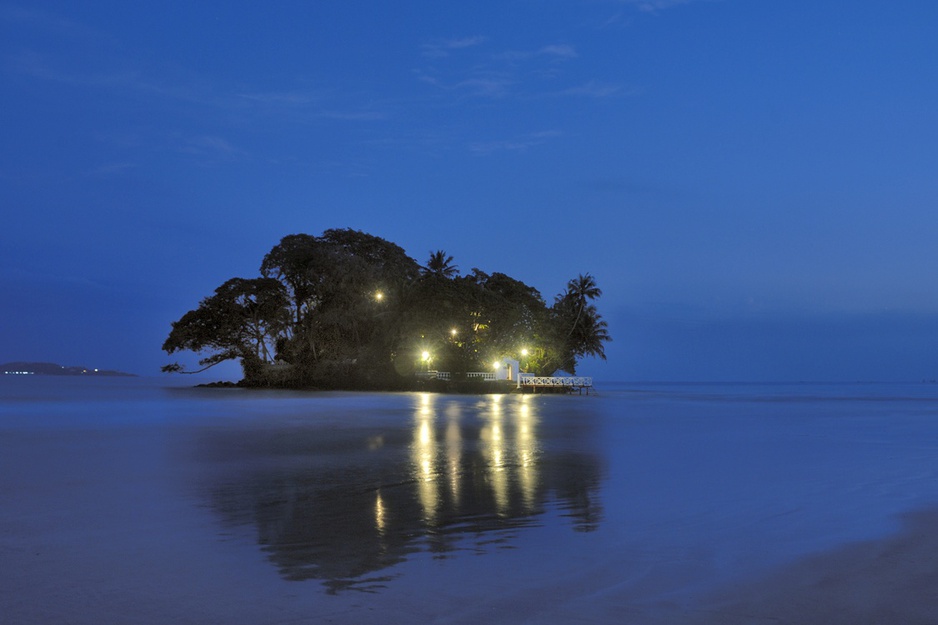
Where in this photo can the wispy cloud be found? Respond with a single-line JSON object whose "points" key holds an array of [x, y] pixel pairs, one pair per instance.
{"points": [[652, 6], [627, 17], [37, 18], [441, 48], [518, 144], [594, 89], [285, 98], [315, 104], [489, 86], [309, 104], [31, 64], [211, 146], [486, 74], [556, 51], [353, 116], [110, 169], [626, 185], [559, 50]]}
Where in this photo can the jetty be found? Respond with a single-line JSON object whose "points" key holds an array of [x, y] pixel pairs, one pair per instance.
{"points": [[570, 383], [507, 371]]}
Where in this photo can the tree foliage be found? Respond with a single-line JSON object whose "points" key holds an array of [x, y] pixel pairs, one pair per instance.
{"points": [[243, 319], [351, 309], [582, 331]]}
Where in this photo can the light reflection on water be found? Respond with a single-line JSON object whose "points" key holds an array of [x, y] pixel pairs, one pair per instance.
{"points": [[508, 449], [460, 474]]}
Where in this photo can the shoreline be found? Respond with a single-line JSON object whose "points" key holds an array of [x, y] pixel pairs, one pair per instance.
{"points": [[455, 387], [891, 579], [887, 579]]}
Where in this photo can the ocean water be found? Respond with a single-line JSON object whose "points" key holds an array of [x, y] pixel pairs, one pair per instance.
{"points": [[134, 500]]}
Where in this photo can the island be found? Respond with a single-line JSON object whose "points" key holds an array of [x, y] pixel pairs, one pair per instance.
{"points": [[351, 310], [51, 368]]}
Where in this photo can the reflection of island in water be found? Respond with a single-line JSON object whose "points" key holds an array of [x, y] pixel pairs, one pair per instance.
{"points": [[341, 503]]}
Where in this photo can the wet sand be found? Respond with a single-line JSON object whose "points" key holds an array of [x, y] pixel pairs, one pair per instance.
{"points": [[276, 509], [886, 581], [893, 580]]}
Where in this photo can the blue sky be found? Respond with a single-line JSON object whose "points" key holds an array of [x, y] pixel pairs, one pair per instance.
{"points": [[752, 183]]}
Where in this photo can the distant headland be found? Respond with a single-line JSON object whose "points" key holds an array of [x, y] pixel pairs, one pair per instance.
{"points": [[50, 368]]}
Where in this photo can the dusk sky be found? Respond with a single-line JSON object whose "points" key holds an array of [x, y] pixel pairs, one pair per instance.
{"points": [[752, 183]]}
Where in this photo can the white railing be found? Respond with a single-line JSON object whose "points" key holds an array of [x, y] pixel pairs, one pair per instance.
{"points": [[446, 375], [539, 380], [480, 375], [524, 379]]}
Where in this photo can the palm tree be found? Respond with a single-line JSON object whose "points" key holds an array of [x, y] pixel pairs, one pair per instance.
{"points": [[591, 333], [580, 291], [584, 328], [441, 265]]}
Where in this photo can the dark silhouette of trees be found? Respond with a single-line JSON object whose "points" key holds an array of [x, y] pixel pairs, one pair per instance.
{"points": [[243, 319], [347, 287], [349, 309]]}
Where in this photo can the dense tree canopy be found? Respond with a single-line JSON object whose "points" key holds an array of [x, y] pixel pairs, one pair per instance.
{"points": [[351, 309], [243, 319]]}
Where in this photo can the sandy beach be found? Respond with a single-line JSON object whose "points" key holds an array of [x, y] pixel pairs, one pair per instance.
{"points": [[676, 505], [892, 580]]}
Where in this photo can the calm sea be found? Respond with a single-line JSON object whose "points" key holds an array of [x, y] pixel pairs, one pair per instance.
{"points": [[131, 500]]}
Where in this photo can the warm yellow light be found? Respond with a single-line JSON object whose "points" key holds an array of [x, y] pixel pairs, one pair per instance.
{"points": [[453, 331], [379, 296], [379, 514], [425, 355], [497, 364], [524, 352]]}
